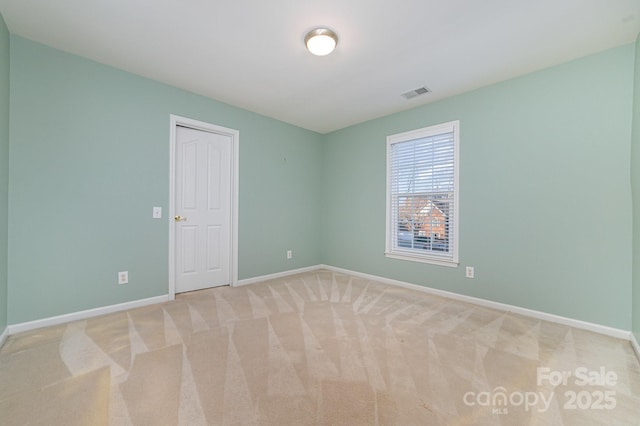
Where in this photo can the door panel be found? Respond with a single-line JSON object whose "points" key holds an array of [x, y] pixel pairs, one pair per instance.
{"points": [[214, 246], [189, 249], [189, 173], [215, 179]]}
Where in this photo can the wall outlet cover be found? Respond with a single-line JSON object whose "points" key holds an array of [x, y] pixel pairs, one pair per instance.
{"points": [[470, 272]]}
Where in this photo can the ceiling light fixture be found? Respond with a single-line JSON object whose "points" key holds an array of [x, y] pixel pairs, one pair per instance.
{"points": [[321, 41]]}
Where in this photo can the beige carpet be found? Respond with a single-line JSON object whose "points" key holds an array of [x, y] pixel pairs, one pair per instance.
{"points": [[316, 349]]}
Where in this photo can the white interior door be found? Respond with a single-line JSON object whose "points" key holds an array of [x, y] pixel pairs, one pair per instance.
{"points": [[202, 209]]}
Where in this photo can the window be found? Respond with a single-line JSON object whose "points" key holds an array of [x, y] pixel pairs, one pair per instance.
{"points": [[422, 195]]}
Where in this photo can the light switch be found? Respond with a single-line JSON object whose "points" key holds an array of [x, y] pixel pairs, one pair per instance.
{"points": [[157, 212]]}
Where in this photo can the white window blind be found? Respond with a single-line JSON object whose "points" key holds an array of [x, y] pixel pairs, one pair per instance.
{"points": [[422, 194]]}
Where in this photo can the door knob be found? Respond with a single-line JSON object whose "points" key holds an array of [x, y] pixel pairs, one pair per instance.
{"points": [[180, 218]]}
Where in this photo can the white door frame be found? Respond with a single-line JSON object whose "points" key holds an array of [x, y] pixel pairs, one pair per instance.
{"points": [[235, 141]]}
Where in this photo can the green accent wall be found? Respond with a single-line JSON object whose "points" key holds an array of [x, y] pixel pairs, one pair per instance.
{"points": [[545, 197], [635, 184], [4, 168], [89, 160]]}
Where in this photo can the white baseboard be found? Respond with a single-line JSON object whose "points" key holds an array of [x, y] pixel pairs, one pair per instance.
{"points": [[277, 275], [4, 335], [597, 328], [636, 346], [75, 316], [602, 329]]}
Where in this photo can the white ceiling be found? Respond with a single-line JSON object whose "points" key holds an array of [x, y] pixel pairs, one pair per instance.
{"points": [[250, 53]]}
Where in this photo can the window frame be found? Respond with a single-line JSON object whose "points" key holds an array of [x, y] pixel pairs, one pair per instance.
{"points": [[430, 256]]}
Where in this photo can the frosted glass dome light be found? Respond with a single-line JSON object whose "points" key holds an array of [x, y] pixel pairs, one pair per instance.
{"points": [[321, 41]]}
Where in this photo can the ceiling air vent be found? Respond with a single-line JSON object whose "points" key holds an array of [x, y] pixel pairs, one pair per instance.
{"points": [[416, 92]]}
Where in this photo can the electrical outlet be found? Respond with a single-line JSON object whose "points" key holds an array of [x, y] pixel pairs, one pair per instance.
{"points": [[289, 254], [123, 277], [470, 272]]}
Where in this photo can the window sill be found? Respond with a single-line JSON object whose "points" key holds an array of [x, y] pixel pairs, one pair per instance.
{"points": [[423, 259]]}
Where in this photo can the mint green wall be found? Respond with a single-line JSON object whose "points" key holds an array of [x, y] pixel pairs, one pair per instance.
{"points": [[4, 167], [545, 205], [635, 184], [89, 160]]}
